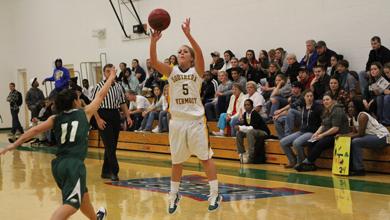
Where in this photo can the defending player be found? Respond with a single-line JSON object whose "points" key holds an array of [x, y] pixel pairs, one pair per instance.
{"points": [[188, 133], [71, 127]]}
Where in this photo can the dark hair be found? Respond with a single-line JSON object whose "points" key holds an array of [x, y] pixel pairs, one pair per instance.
{"points": [[343, 63], [250, 101], [376, 38], [64, 100], [85, 80], [231, 54], [281, 75], [386, 65], [358, 105], [237, 69], [319, 66], [12, 83], [244, 60], [265, 54], [108, 65], [175, 63], [136, 60], [307, 91], [125, 64], [338, 57]]}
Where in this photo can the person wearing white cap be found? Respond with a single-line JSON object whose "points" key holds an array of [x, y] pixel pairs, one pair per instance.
{"points": [[34, 98]]}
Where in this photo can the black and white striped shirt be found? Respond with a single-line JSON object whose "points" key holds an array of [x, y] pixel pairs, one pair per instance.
{"points": [[115, 96]]}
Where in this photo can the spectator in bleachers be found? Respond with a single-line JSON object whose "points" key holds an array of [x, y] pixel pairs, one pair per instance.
{"points": [[280, 94], [367, 133], [374, 97], [292, 68], [348, 81], [60, 77], [269, 85], [217, 62], [138, 71], [227, 56], [123, 69], [250, 55], [386, 71], [149, 69], [163, 117], [34, 97], [251, 126], [248, 71], [173, 60], [153, 111], [334, 59], [238, 78], [320, 83], [137, 105], [311, 56], [376, 94], [334, 122], [213, 109], [45, 112], [337, 92], [286, 117], [324, 53], [263, 60], [304, 77], [87, 89], [15, 100], [232, 113], [256, 97], [379, 53], [234, 63], [280, 59], [271, 55], [130, 82], [209, 88], [310, 121]]}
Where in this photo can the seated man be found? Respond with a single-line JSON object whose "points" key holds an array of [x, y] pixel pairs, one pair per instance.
{"points": [[320, 84], [209, 88], [324, 53], [253, 127], [137, 105]]}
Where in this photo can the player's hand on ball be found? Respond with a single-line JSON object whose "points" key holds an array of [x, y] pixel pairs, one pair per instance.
{"points": [[186, 27], [155, 35]]}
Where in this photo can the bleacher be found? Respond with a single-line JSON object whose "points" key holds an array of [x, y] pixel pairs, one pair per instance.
{"points": [[225, 148]]}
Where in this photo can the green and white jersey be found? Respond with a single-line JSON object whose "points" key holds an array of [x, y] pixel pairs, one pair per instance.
{"points": [[71, 132]]}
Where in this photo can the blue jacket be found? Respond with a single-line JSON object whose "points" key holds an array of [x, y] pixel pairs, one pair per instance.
{"points": [[61, 78], [311, 62]]}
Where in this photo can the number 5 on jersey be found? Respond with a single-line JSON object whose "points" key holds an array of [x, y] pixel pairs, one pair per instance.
{"points": [[64, 128], [185, 89]]}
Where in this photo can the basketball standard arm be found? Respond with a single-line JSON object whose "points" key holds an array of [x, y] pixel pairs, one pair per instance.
{"points": [[159, 66], [47, 125], [199, 60]]}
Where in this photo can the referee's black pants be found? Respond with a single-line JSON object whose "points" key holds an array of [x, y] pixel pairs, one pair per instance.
{"points": [[110, 139]]}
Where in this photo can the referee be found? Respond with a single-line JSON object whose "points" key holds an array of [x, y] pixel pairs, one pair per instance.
{"points": [[108, 121]]}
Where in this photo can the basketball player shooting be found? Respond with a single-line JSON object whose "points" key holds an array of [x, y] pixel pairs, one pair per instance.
{"points": [[188, 132]]}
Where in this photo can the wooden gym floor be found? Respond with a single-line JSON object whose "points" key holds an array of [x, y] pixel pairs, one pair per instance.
{"points": [[28, 190]]}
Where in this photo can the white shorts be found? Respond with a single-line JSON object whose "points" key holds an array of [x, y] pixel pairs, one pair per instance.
{"points": [[187, 138]]}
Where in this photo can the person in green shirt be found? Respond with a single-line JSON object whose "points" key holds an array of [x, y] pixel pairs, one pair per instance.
{"points": [[71, 127]]}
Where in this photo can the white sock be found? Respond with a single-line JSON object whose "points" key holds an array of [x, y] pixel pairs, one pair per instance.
{"points": [[213, 187], [221, 131], [175, 187]]}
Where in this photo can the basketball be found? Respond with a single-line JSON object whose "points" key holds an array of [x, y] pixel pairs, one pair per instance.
{"points": [[159, 19]]}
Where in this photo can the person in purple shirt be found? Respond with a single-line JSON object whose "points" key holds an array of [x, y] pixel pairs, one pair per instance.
{"points": [[60, 77]]}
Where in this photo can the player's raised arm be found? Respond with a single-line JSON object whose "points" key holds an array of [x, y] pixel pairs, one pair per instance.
{"points": [[91, 109], [47, 125], [157, 65], [199, 60]]}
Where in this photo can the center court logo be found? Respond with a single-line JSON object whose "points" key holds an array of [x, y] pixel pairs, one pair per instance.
{"points": [[196, 187]]}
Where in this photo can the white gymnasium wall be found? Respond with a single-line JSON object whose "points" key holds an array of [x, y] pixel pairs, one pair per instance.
{"points": [[43, 30]]}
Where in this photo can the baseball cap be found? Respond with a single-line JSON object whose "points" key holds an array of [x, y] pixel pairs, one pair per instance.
{"points": [[32, 80]]}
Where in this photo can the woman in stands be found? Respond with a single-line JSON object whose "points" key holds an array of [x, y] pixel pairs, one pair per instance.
{"points": [[263, 60], [188, 130], [273, 71], [250, 55], [173, 60], [376, 94], [310, 122], [337, 92], [163, 117], [334, 122], [153, 111], [232, 114], [367, 133]]}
